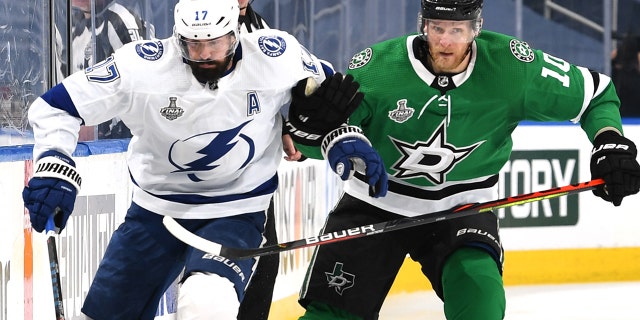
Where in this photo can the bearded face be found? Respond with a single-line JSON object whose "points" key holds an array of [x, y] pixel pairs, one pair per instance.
{"points": [[209, 59], [210, 71]]}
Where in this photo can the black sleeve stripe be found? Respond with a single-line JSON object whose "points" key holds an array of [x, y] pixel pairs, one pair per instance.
{"points": [[595, 76]]}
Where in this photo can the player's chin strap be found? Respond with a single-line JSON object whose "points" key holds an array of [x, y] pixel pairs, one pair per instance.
{"points": [[344, 132]]}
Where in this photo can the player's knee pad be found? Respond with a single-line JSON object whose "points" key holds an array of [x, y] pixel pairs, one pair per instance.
{"points": [[472, 286], [207, 296]]}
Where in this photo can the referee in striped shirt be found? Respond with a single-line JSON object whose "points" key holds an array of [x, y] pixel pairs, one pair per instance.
{"points": [[115, 25]]}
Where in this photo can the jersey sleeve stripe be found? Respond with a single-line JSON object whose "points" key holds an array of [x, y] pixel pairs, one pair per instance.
{"points": [[589, 92]]}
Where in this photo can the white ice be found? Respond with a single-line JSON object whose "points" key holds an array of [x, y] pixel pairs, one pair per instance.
{"points": [[594, 301]]}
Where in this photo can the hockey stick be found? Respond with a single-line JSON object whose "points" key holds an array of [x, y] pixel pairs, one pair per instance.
{"points": [[362, 231], [54, 266]]}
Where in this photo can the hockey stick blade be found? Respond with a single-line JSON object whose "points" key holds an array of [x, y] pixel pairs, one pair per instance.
{"points": [[367, 230], [54, 267]]}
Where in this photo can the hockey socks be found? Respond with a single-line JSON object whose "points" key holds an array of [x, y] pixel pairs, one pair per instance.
{"points": [[472, 286]]}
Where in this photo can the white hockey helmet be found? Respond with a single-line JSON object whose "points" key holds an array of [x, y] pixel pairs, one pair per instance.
{"points": [[197, 20]]}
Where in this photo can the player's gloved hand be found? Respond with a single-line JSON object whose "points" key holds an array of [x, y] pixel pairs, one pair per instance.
{"points": [[614, 160], [52, 190], [313, 114], [354, 154]]}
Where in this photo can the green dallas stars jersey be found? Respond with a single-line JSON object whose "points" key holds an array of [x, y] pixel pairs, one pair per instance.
{"points": [[444, 139]]}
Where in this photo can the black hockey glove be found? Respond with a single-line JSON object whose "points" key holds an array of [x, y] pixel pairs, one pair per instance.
{"points": [[313, 115], [614, 159]]}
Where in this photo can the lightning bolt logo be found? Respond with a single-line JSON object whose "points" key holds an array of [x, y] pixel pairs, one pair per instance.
{"points": [[272, 46], [150, 50], [213, 150]]}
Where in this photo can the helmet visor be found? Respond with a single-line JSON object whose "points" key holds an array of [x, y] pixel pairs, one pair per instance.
{"points": [[209, 49], [455, 31]]}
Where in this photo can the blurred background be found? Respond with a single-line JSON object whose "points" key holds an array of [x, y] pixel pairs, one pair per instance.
{"points": [[38, 38]]}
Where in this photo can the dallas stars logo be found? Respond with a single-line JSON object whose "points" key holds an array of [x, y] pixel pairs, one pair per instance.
{"points": [[340, 280], [432, 159], [521, 50]]}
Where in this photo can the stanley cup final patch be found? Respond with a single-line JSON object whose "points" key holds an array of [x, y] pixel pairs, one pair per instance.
{"points": [[521, 50], [402, 113], [172, 111]]}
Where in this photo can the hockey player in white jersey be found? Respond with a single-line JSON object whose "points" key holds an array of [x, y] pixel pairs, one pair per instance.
{"points": [[204, 108]]}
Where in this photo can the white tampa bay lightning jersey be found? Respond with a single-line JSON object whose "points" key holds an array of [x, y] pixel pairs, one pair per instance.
{"points": [[198, 151]]}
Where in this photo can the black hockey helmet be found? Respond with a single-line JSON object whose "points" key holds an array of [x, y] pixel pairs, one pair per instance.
{"points": [[451, 9], [456, 10]]}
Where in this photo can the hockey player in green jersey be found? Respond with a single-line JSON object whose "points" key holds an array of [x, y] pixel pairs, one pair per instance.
{"points": [[440, 107]]}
